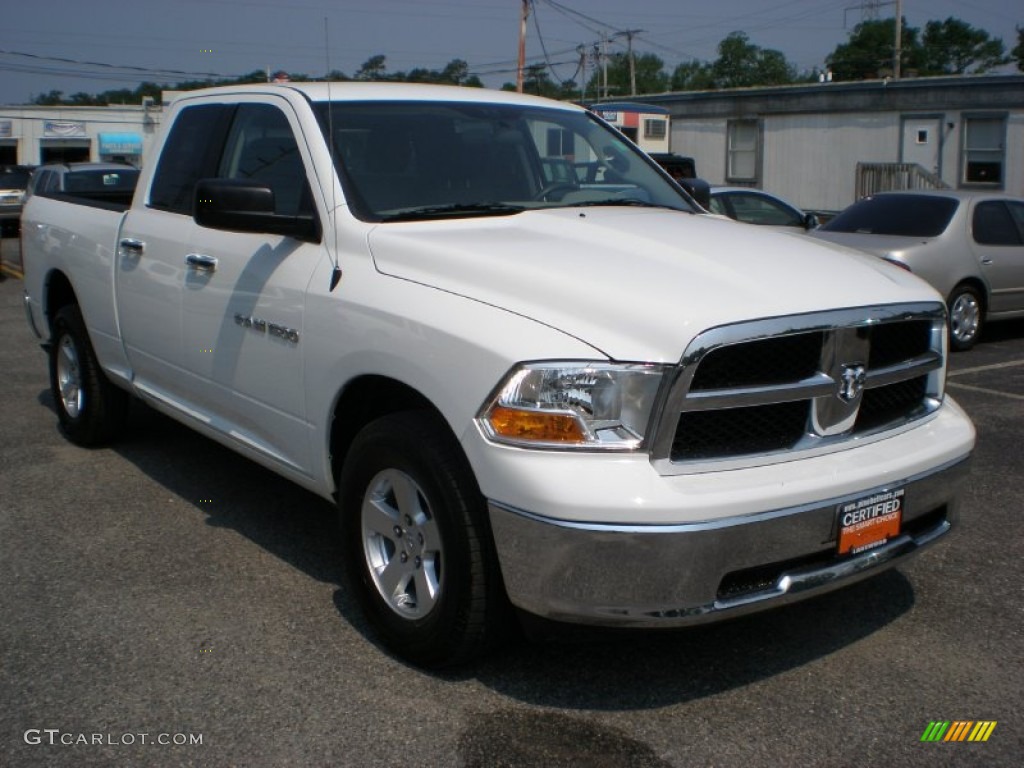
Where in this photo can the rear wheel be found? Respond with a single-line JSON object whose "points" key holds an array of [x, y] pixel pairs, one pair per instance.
{"points": [[419, 555], [91, 410], [966, 311]]}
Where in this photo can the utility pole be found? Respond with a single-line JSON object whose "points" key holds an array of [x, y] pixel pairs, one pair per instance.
{"points": [[522, 45], [583, 69], [604, 65], [898, 49], [632, 59]]}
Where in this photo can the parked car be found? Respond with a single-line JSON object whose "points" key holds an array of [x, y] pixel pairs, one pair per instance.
{"points": [[13, 180], [754, 206], [968, 245], [112, 183], [684, 171]]}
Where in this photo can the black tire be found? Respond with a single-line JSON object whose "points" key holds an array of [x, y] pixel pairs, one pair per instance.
{"points": [[91, 410], [966, 315], [419, 554]]}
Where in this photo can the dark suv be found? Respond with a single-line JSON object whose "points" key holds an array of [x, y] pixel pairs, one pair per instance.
{"points": [[684, 171], [13, 180]]}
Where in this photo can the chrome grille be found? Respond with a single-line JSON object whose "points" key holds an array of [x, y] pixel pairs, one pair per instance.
{"points": [[756, 392]]}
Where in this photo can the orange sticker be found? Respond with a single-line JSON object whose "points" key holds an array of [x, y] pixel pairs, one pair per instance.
{"points": [[870, 522]]}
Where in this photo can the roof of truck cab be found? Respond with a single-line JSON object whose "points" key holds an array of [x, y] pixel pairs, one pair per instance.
{"points": [[350, 91]]}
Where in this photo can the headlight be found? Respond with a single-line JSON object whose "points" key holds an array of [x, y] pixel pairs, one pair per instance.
{"points": [[573, 405]]}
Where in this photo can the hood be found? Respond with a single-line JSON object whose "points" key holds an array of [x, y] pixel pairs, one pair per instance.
{"points": [[636, 283]]}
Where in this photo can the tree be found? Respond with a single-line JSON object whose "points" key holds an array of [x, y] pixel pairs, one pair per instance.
{"points": [[740, 64], [952, 47], [456, 72], [1018, 52], [650, 75], [374, 68], [869, 50], [537, 82], [692, 75], [50, 99]]}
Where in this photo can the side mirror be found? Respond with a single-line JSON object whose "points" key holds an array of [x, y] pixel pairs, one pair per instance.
{"points": [[239, 205], [811, 221], [699, 190]]}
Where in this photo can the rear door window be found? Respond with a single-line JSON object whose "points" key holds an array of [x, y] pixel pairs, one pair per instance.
{"points": [[993, 224], [189, 154]]}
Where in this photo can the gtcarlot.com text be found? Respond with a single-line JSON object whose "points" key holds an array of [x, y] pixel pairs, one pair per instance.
{"points": [[57, 737]]}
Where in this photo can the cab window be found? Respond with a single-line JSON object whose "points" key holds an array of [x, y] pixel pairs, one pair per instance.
{"points": [[261, 147]]}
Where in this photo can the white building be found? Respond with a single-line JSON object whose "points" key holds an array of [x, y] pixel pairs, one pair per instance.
{"points": [[32, 135], [824, 145]]}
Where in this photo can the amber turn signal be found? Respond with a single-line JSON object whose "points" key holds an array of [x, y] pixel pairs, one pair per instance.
{"points": [[540, 426]]}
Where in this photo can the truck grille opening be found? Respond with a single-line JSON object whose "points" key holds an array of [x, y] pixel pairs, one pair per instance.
{"points": [[892, 343], [739, 431], [887, 404], [764, 577], [759, 363], [745, 392]]}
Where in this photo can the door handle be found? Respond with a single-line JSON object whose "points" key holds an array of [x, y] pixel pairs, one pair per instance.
{"points": [[200, 262], [986, 261], [132, 246]]}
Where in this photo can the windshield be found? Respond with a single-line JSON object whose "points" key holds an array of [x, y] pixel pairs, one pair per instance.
{"points": [[905, 215], [14, 178], [419, 160]]}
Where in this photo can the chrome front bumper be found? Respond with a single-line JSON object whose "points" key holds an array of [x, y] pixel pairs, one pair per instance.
{"points": [[672, 575]]}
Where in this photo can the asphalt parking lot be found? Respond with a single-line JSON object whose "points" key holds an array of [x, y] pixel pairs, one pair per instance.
{"points": [[167, 590]]}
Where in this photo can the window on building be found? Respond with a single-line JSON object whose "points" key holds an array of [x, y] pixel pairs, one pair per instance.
{"points": [[561, 143], [654, 128], [984, 150], [741, 163]]}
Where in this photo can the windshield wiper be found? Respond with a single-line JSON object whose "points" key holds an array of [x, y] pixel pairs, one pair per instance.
{"points": [[454, 210]]}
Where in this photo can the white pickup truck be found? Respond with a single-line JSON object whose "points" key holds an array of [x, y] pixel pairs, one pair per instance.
{"points": [[577, 395]]}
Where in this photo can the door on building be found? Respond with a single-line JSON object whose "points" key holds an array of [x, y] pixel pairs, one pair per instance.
{"points": [[922, 142], [64, 152]]}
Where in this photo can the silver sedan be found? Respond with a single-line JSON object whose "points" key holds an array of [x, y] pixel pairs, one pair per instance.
{"points": [[968, 245]]}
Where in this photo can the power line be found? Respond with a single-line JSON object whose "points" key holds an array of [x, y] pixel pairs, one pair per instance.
{"points": [[575, 15], [547, 57], [104, 65]]}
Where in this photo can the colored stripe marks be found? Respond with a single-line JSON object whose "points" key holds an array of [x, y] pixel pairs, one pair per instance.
{"points": [[958, 730]]}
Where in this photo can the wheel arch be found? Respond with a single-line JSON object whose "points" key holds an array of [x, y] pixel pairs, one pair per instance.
{"points": [[57, 293], [368, 398], [974, 282]]}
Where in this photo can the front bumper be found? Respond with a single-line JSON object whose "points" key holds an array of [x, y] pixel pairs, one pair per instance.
{"points": [[672, 575]]}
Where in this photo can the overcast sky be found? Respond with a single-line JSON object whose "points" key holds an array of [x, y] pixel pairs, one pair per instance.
{"points": [[172, 40]]}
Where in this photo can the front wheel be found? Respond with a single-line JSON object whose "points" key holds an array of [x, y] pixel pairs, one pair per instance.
{"points": [[418, 550], [966, 310], [91, 410]]}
